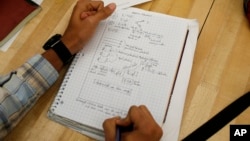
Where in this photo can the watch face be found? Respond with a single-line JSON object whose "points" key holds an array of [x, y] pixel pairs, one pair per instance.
{"points": [[54, 39]]}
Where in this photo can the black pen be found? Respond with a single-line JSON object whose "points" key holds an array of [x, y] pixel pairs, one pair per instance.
{"points": [[118, 134], [122, 129]]}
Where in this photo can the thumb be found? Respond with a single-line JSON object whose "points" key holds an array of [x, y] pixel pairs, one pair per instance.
{"points": [[105, 12], [124, 122], [109, 127]]}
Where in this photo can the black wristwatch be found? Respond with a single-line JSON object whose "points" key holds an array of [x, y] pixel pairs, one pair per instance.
{"points": [[58, 46]]}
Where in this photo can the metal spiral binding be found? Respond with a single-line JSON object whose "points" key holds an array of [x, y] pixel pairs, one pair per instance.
{"points": [[59, 95]]}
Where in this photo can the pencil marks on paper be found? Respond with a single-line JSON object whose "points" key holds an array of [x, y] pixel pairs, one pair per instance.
{"points": [[136, 28], [123, 57]]}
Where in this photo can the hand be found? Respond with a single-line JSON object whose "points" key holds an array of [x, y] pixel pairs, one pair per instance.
{"points": [[144, 126], [85, 17]]}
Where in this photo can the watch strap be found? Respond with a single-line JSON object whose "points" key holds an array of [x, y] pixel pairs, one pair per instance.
{"points": [[54, 39], [62, 51]]}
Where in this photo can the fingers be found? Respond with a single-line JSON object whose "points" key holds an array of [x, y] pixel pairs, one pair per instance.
{"points": [[104, 12], [86, 14], [131, 117], [146, 112], [109, 126], [137, 125], [95, 8], [135, 115], [95, 5]]}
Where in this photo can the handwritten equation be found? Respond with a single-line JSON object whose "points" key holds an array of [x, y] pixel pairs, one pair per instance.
{"points": [[124, 62], [110, 111], [131, 60], [136, 29]]}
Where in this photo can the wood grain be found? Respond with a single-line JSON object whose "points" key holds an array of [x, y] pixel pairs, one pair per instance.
{"points": [[220, 73]]}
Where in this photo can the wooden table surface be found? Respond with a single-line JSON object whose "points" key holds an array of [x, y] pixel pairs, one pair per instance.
{"points": [[220, 72]]}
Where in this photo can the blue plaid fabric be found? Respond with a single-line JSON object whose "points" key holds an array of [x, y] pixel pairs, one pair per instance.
{"points": [[20, 90]]}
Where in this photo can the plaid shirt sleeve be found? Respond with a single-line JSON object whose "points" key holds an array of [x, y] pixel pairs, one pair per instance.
{"points": [[20, 90]]}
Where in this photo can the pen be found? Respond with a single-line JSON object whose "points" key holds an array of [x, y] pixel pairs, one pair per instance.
{"points": [[118, 134], [122, 129]]}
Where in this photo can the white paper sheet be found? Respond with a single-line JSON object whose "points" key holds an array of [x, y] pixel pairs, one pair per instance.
{"points": [[132, 60], [171, 127], [125, 3]]}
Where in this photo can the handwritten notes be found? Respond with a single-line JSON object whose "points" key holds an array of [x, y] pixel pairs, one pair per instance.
{"points": [[133, 59]]}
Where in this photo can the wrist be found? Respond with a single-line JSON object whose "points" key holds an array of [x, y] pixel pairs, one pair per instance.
{"points": [[53, 58], [62, 51], [71, 43]]}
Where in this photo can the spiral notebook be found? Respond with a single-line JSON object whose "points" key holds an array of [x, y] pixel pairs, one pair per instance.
{"points": [[133, 59]]}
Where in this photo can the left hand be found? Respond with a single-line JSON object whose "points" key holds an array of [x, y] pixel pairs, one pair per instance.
{"points": [[85, 17]]}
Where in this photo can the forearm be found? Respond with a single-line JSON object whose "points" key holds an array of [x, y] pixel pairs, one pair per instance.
{"points": [[21, 89], [54, 60]]}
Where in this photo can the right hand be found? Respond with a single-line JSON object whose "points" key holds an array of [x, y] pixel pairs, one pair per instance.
{"points": [[144, 126]]}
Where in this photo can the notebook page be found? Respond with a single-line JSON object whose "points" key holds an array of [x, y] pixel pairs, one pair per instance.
{"points": [[131, 61]]}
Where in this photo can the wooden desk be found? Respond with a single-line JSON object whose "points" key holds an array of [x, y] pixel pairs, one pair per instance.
{"points": [[220, 73]]}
